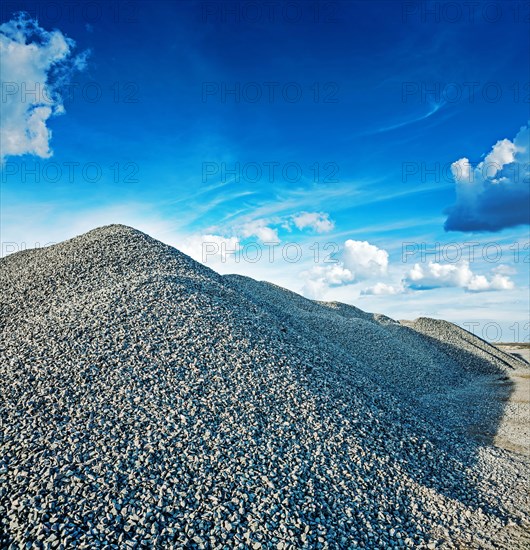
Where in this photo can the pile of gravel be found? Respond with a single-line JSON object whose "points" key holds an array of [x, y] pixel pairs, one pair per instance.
{"points": [[442, 372], [148, 402]]}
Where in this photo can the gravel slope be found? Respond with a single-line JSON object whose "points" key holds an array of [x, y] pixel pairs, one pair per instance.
{"points": [[146, 401], [444, 373]]}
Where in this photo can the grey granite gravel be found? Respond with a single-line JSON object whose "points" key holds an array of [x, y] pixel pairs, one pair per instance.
{"points": [[148, 402]]}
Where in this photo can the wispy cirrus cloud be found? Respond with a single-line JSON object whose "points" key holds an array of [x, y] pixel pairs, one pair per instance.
{"points": [[266, 229], [407, 122]]}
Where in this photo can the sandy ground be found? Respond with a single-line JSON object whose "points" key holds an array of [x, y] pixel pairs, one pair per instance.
{"points": [[514, 430], [521, 351]]}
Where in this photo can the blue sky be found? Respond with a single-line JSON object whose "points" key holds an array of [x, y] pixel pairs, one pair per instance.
{"points": [[216, 125]]}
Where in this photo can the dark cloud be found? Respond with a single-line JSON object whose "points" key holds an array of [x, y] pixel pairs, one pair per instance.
{"points": [[495, 194]]}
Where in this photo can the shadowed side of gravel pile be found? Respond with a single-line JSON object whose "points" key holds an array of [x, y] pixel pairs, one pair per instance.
{"points": [[146, 401], [423, 363]]}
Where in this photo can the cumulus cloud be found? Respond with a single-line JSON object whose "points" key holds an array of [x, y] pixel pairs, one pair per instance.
{"points": [[495, 194], [460, 275], [260, 230], [320, 278], [504, 269], [364, 259], [360, 260], [317, 221], [35, 65]]}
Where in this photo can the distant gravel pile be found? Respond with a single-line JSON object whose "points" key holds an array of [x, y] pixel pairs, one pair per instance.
{"points": [[148, 402], [472, 353]]}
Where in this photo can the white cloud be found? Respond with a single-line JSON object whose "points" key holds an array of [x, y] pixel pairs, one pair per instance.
{"points": [[459, 275], [501, 154], [337, 275], [315, 289], [504, 269], [317, 221], [365, 260], [35, 63], [320, 278], [382, 289], [461, 170], [360, 260], [260, 230]]}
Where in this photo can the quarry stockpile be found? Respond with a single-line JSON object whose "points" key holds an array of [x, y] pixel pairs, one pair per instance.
{"points": [[148, 402]]}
